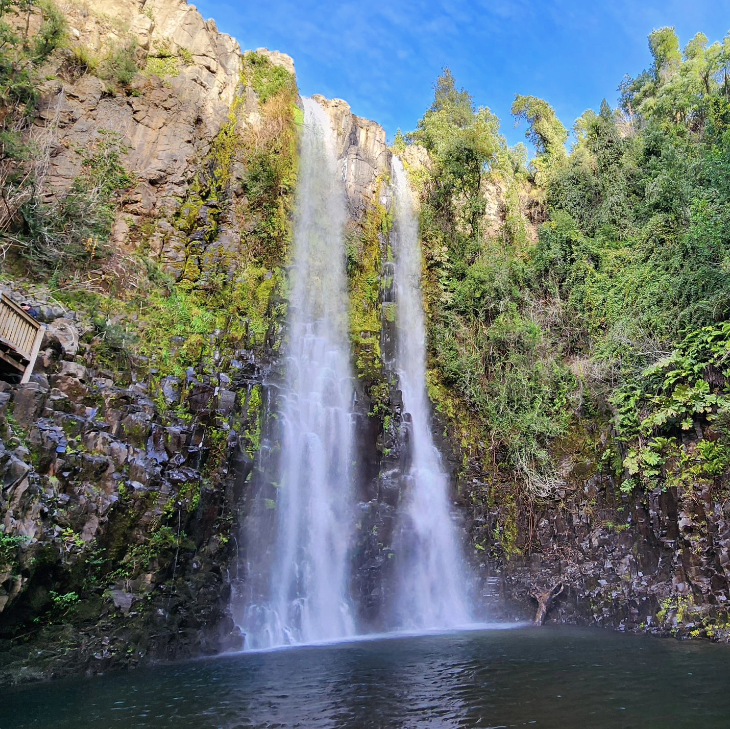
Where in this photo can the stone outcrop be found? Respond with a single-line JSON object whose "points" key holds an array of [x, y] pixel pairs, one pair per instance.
{"points": [[106, 491], [278, 58], [363, 152], [658, 564], [167, 118], [166, 122]]}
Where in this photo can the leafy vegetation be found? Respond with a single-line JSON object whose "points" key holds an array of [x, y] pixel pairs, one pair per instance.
{"points": [[487, 343], [19, 62], [144, 318], [594, 295], [75, 229], [120, 63], [636, 248], [164, 62], [227, 297], [266, 79], [9, 545], [602, 289], [364, 269], [231, 297]]}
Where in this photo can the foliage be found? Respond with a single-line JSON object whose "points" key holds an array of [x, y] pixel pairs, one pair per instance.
{"points": [[627, 282], [636, 250], [486, 344], [111, 342], [163, 66], [266, 79], [545, 130], [164, 62], [464, 142], [364, 266], [163, 542], [62, 605], [19, 66], [82, 60], [9, 545], [270, 156], [231, 298], [75, 229], [679, 393], [120, 63], [52, 32]]}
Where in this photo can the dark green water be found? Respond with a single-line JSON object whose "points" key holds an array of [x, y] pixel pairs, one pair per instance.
{"points": [[559, 678]]}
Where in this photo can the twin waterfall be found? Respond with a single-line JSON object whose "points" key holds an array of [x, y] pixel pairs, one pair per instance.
{"points": [[301, 527]]}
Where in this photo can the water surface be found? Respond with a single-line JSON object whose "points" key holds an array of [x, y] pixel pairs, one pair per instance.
{"points": [[557, 678]]}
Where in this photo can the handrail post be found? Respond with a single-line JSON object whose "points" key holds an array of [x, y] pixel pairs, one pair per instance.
{"points": [[33, 354]]}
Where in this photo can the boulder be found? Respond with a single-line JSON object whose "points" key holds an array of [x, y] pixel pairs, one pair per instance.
{"points": [[28, 403], [73, 369], [170, 387], [70, 386], [63, 336], [136, 427], [226, 402], [200, 397]]}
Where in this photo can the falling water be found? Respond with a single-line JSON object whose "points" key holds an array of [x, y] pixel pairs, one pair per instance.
{"points": [[305, 580], [432, 576]]}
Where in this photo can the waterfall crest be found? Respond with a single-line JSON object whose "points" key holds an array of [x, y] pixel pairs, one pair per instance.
{"points": [[298, 589], [432, 578]]}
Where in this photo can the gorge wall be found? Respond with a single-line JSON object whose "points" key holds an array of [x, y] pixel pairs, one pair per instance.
{"points": [[126, 460]]}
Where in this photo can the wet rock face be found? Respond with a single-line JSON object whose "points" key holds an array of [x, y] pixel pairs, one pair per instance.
{"points": [[114, 518], [656, 563]]}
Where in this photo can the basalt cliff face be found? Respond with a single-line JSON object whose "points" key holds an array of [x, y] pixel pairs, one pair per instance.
{"points": [[117, 486], [125, 461]]}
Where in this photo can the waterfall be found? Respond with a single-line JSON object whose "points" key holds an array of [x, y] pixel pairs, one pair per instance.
{"points": [[298, 558], [432, 578]]}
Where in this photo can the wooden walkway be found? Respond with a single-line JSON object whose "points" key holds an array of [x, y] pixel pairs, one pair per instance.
{"points": [[20, 338]]}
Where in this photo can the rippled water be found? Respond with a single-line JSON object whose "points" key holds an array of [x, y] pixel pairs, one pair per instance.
{"points": [[557, 678]]}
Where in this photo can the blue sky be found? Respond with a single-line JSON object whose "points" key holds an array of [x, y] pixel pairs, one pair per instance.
{"points": [[383, 57]]}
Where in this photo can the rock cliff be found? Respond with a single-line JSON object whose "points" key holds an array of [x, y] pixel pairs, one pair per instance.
{"points": [[123, 458], [125, 470], [166, 119]]}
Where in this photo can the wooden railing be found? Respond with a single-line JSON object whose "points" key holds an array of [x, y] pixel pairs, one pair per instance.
{"points": [[20, 337]]}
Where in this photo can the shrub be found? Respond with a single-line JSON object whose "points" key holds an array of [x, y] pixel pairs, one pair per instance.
{"points": [[9, 545], [82, 60], [120, 65], [163, 66], [75, 230], [52, 32], [264, 77]]}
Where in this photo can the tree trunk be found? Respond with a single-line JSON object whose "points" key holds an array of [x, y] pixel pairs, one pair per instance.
{"points": [[545, 601]]}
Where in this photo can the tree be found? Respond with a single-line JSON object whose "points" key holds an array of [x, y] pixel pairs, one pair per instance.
{"points": [[464, 142], [458, 103], [545, 131], [664, 47]]}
